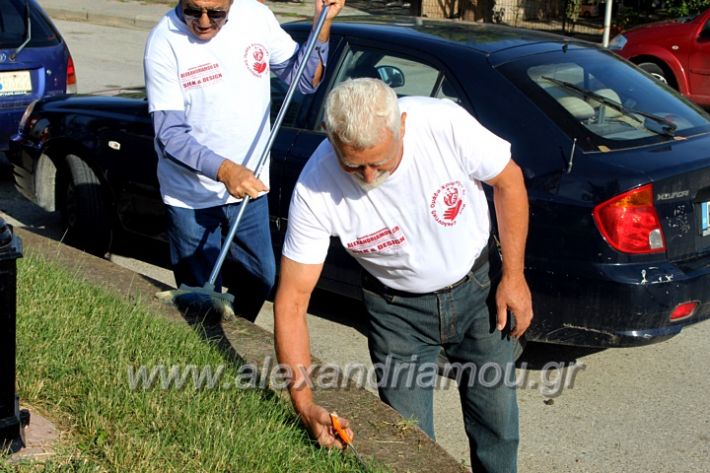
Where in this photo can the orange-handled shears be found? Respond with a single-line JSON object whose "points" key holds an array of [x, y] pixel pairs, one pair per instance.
{"points": [[345, 437]]}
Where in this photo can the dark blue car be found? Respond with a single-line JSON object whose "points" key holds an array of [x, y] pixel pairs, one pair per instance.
{"points": [[617, 167], [34, 62]]}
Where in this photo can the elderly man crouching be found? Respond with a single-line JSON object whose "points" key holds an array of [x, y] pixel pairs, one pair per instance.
{"points": [[410, 208]]}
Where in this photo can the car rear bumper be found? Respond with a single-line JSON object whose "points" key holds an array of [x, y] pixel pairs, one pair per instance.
{"points": [[615, 305]]}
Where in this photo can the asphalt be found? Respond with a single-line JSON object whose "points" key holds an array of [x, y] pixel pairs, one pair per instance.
{"points": [[141, 15]]}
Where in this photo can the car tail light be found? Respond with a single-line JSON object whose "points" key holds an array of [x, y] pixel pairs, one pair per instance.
{"points": [[629, 222], [684, 310], [71, 76]]}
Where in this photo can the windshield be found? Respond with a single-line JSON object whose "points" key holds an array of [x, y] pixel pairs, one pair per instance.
{"points": [[13, 29], [603, 101]]}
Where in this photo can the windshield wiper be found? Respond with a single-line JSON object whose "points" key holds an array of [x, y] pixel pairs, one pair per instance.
{"points": [[28, 28], [668, 126]]}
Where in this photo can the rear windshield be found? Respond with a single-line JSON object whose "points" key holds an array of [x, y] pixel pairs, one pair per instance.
{"points": [[603, 101], [13, 29]]}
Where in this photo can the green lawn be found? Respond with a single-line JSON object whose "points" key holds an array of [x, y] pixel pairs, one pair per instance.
{"points": [[76, 344]]}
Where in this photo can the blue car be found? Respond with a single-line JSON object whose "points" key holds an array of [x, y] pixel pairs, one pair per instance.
{"points": [[34, 62]]}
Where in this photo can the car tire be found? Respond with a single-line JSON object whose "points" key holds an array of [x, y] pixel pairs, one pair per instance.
{"points": [[83, 208], [655, 70]]}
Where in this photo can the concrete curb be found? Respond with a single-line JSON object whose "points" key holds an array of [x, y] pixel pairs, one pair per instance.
{"points": [[143, 22], [382, 433]]}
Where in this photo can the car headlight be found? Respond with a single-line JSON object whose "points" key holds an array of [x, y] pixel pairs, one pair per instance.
{"points": [[618, 42], [26, 116]]}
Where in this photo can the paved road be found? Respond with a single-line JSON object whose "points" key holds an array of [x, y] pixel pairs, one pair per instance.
{"points": [[632, 410]]}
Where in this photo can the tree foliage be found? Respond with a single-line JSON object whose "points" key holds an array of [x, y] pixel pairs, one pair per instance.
{"points": [[678, 8]]}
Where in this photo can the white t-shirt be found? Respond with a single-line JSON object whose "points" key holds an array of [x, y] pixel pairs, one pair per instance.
{"points": [[223, 85], [422, 228]]}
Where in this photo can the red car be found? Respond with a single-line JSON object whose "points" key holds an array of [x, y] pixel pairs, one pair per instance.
{"points": [[676, 52]]}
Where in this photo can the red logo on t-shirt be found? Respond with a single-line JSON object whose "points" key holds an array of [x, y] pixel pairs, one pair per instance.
{"points": [[447, 203], [256, 58]]}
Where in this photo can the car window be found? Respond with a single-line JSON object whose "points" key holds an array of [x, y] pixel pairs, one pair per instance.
{"points": [[405, 75], [278, 95], [592, 93], [13, 28], [705, 32]]}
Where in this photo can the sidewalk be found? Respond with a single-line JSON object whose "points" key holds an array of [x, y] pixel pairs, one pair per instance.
{"points": [[136, 14]]}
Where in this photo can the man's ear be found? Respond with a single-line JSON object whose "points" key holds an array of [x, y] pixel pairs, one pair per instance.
{"points": [[402, 120]]}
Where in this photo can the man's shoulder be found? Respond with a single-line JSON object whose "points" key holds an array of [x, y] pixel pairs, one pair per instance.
{"points": [[318, 162], [168, 25], [421, 104], [434, 114], [250, 6], [321, 171], [250, 12]]}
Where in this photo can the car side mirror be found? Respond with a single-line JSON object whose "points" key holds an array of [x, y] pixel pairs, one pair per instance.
{"points": [[391, 75]]}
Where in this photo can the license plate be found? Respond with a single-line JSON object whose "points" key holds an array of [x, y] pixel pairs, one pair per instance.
{"points": [[15, 83], [705, 218]]}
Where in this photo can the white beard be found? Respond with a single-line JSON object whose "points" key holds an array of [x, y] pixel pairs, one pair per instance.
{"points": [[382, 177]]}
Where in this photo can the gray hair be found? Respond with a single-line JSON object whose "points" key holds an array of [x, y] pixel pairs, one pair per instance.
{"points": [[358, 111]]}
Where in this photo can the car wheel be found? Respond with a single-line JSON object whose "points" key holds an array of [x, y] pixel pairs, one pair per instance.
{"points": [[83, 207], [655, 70]]}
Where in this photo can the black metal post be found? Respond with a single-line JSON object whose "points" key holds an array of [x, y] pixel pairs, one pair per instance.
{"points": [[12, 419]]}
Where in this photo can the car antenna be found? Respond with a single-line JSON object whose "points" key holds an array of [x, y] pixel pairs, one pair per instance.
{"points": [[571, 156]]}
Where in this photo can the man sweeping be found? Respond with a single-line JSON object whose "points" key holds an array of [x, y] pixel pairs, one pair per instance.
{"points": [[208, 67]]}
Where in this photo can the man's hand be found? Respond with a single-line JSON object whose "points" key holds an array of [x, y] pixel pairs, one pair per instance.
{"points": [[513, 295], [319, 424], [239, 180], [334, 7]]}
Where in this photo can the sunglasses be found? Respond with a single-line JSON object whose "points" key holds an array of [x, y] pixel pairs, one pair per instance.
{"points": [[196, 13]]}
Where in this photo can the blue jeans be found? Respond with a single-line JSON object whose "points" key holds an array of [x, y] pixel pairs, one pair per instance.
{"points": [[196, 238], [407, 333]]}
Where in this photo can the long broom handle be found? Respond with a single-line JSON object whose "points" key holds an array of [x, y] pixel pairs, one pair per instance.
{"points": [[269, 143]]}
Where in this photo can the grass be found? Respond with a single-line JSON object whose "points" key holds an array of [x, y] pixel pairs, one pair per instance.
{"points": [[75, 346]]}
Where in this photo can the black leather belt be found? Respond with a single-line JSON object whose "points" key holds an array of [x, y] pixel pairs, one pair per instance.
{"points": [[373, 284]]}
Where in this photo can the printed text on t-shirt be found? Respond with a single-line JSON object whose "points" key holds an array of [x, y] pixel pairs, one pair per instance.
{"points": [[200, 76], [381, 240]]}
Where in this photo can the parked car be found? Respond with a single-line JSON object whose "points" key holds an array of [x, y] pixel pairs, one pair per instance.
{"points": [[34, 62], [617, 167], [676, 52]]}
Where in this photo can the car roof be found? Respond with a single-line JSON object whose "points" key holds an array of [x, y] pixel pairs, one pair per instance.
{"points": [[484, 38]]}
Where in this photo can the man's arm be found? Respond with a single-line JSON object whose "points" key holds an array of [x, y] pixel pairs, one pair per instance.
{"points": [[511, 204], [173, 135], [335, 6], [292, 342], [315, 65]]}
